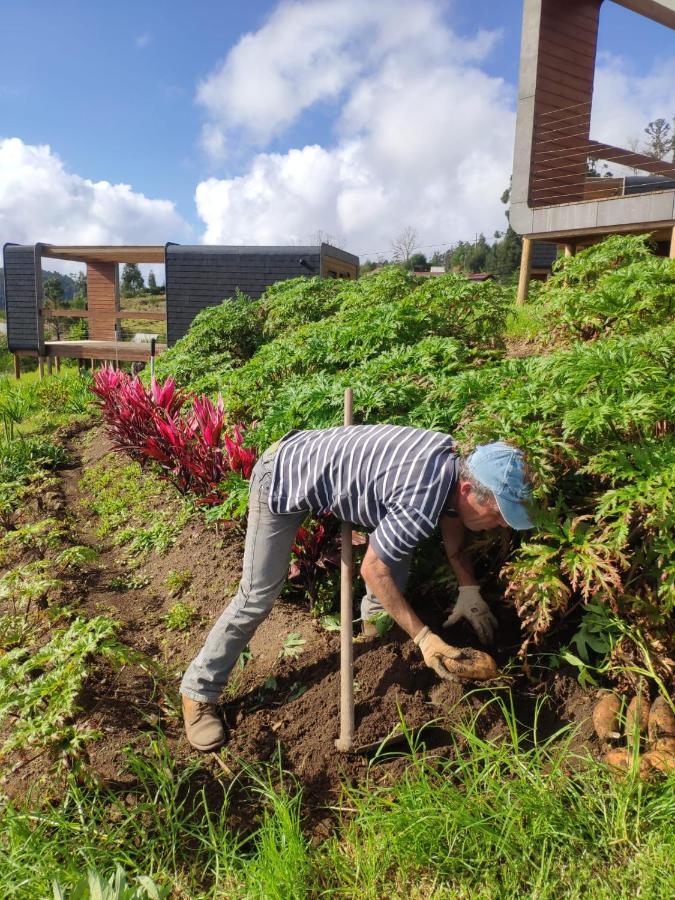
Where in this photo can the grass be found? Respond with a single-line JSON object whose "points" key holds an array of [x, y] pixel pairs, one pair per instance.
{"points": [[520, 818]]}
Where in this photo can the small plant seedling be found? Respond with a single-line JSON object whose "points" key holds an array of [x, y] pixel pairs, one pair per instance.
{"points": [[297, 690], [128, 582], [330, 622], [180, 616], [76, 556], [177, 582], [293, 646], [383, 622]]}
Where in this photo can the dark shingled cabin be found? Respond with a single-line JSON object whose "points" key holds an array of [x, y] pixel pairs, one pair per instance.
{"points": [[196, 277]]}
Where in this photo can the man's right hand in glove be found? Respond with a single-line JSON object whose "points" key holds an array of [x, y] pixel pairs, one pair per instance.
{"points": [[453, 663]]}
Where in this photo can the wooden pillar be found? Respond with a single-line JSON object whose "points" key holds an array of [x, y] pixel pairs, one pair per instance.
{"points": [[41, 367], [17, 366], [672, 243], [50, 365], [525, 268], [570, 249], [58, 363]]}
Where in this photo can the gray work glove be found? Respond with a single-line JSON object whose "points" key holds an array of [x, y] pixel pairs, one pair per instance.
{"points": [[471, 606], [454, 663]]}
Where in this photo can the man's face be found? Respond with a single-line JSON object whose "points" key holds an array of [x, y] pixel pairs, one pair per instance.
{"points": [[475, 515]]}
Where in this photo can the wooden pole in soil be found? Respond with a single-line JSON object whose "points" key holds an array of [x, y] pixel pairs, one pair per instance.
{"points": [[525, 269], [346, 740]]}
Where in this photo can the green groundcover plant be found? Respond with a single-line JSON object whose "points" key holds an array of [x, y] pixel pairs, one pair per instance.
{"points": [[593, 412]]}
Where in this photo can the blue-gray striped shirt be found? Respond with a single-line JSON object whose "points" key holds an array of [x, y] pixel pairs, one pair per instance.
{"points": [[392, 479]]}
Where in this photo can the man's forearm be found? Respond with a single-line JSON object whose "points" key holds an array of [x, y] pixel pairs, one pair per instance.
{"points": [[454, 541], [378, 578], [462, 566]]}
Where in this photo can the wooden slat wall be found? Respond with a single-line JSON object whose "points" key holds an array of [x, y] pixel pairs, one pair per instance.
{"points": [[562, 112], [102, 300], [342, 269]]}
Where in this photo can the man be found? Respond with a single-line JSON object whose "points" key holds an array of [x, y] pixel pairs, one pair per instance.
{"points": [[395, 481]]}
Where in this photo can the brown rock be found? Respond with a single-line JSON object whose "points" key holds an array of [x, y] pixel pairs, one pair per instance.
{"points": [[661, 720], [606, 717]]}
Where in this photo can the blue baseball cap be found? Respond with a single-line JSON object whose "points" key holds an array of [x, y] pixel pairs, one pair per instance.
{"points": [[501, 468]]}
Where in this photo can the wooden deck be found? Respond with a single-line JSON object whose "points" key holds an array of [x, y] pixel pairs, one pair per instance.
{"points": [[113, 351]]}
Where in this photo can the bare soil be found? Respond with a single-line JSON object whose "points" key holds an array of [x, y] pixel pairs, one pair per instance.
{"points": [[278, 708]]}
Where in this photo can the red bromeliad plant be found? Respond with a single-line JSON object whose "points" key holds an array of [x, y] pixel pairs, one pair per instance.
{"points": [[193, 449]]}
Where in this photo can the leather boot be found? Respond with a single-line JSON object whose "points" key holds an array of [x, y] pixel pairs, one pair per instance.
{"points": [[203, 726]]}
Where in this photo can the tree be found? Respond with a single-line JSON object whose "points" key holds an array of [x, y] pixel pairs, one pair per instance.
{"points": [[132, 280], [418, 261], [152, 283], [80, 295], [52, 291], [660, 141], [404, 245]]}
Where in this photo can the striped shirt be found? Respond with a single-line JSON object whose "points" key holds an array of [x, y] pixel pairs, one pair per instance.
{"points": [[390, 479]]}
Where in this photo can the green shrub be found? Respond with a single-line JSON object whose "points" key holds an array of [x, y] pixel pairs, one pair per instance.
{"points": [[289, 304], [616, 286], [220, 337]]}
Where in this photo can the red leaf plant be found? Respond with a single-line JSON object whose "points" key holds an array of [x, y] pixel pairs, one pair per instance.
{"points": [[316, 550], [191, 447]]}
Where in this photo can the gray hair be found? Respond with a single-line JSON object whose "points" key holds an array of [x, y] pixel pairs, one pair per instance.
{"points": [[483, 494]]}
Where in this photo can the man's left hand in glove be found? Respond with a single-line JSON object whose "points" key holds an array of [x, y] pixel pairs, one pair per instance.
{"points": [[471, 606]]}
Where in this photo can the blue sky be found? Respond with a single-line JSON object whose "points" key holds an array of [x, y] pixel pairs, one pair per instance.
{"points": [[114, 91]]}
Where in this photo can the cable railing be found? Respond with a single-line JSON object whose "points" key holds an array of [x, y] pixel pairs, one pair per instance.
{"points": [[562, 149]]}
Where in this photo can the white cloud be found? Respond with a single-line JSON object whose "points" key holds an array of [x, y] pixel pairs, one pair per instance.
{"points": [[625, 101], [313, 51], [41, 201], [423, 137]]}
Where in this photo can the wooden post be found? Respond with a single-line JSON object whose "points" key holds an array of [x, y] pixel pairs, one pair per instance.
{"points": [[346, 740], [58, 363], [50, 365], [570, 249], [672, 243], [17, 366], [41, 367], [525, 267]]}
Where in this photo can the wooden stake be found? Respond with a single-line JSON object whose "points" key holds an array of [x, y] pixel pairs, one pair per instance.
{"points": [[569, 249], [50, 364], [525, 268], [57, 359], [346, 740], [41, 367], [17, 366], [672, 243]]}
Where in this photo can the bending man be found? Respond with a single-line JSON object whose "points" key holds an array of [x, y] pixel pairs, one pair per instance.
{"points": [[398, 483]]}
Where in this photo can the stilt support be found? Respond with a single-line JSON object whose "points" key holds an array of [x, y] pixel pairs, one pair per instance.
{"points": [[17, 366], [41, 367], [525, 270], [672, 243]]}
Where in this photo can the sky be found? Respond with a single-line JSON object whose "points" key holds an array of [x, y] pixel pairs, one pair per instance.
{"points": [[282, 122]]}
